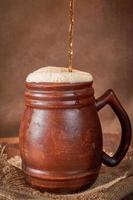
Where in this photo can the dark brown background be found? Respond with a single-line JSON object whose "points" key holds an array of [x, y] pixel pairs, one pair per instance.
{"points": [[33, 34]]}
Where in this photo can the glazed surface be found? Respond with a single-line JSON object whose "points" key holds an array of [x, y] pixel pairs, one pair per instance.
{"points": [[60, 136]]}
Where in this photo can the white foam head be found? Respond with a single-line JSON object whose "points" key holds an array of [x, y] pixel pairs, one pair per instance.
{"points": [[58, 75]]}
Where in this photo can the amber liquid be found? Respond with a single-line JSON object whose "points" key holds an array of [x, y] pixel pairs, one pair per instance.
{"points": [[71, 26]]}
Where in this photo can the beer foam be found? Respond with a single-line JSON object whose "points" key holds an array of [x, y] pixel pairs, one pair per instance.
{"points": [[58, 75]]}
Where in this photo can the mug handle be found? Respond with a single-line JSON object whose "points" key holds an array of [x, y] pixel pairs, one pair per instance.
{"points": [[110, 98]]}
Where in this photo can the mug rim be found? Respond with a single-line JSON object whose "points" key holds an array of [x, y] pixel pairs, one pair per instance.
{"points": [[54, 85]]}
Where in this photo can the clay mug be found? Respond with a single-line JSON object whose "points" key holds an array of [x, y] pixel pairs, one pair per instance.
{"points": [[61, 137]]}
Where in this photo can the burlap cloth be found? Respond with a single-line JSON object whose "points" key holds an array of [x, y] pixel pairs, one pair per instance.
{"points": [[112, 183]]}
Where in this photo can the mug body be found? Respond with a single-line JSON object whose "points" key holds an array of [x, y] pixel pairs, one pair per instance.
{"points": [[60, 136]]}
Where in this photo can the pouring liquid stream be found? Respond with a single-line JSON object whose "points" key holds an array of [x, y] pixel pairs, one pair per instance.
{"points": [[71, 29]]}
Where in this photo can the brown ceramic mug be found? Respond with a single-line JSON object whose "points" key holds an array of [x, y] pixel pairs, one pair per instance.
{"points": [[61, 137]]}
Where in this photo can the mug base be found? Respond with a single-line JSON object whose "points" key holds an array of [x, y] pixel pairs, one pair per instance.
{"points": [[61, 186]]}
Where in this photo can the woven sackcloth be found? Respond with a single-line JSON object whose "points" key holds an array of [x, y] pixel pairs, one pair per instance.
{"points": [[112, 183]]}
